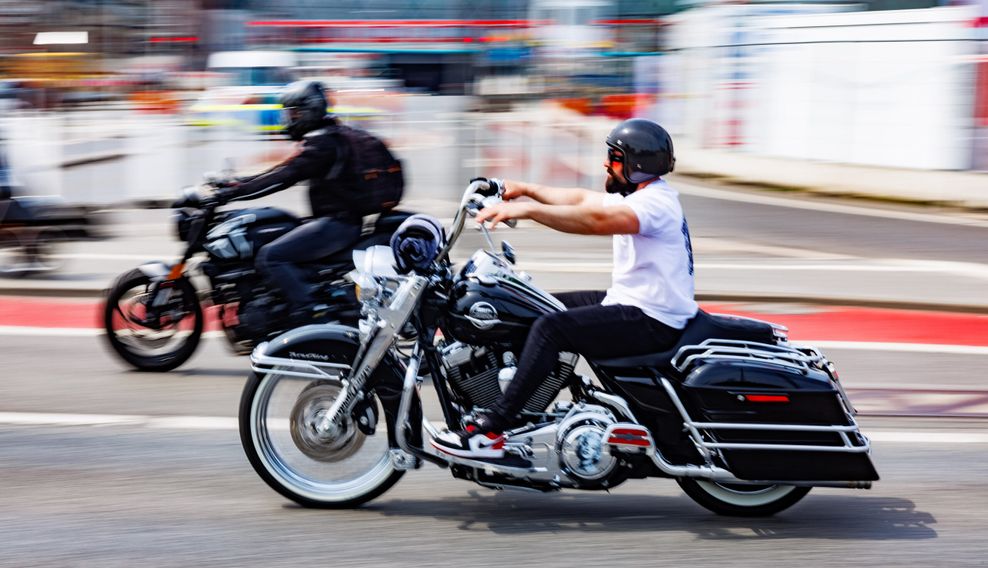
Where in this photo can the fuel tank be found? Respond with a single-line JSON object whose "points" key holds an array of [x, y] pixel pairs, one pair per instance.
{"points": [[243, 232], [491, 304]]}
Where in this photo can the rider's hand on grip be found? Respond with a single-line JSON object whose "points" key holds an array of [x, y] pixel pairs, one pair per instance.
{"points": [[225, 183], [223, 195]]}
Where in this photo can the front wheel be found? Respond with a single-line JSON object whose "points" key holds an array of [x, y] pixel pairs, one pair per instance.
{"points": [[149, 337], [304, 457], [739, 500]]}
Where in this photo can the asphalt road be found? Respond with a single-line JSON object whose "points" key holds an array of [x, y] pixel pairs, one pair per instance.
{"points": [[78, 488]]}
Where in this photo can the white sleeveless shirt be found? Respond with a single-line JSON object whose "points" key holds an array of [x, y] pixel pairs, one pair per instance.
{"points": [[653, 270]]}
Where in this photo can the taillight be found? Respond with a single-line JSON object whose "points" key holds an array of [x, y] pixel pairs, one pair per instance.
{"points": [[778, 398]]}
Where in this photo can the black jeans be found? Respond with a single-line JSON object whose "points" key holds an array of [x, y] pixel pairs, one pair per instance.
{"points": [[319, 238], [587, 328]]}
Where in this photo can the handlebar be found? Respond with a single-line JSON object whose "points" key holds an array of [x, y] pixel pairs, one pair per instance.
{"points": [[476, 204], [475, 197], [195, 198]]}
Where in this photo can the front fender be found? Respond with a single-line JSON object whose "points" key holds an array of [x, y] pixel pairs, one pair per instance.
{"points": [[322, 345], [309, 343], [155, 270]]}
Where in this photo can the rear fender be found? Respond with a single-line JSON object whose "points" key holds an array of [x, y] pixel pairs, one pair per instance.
{"points": [[321, 343]]}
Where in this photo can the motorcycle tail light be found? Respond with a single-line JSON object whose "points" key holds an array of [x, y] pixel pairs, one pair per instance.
{"points": [[765, 397]]}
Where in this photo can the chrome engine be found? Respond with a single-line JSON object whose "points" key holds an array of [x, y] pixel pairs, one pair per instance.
{"points": [[480, 375], [570, 452], [582, 451], [580, 443]]}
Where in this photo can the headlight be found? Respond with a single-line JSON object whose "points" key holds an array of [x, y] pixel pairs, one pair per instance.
{"points": [[366, 287]]}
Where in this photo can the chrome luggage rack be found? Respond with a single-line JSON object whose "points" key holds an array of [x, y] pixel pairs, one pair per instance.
{"points": [[704, 433], [798, 358]]}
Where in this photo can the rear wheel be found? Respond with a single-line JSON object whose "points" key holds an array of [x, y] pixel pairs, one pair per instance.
{"points": [[740, 500], [166, 344]]}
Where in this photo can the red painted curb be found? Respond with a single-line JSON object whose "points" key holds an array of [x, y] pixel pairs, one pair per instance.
{"points": [[822, 323]]}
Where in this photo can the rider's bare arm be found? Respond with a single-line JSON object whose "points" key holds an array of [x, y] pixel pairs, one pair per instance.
{"points": [[547, 194], [587, 218]]}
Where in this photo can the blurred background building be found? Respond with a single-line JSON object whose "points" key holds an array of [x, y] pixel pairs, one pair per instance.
{"points": [[884, 83]]}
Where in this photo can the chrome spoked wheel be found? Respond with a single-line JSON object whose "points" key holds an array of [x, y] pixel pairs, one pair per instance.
{"points": [[740, 499], [303, 455]]}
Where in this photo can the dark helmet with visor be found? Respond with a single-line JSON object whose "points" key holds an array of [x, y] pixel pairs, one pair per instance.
{"points": [[304, 107], [646, 148]]}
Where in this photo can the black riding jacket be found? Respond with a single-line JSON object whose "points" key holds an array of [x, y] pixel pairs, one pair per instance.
{"points": [[316, 156]]}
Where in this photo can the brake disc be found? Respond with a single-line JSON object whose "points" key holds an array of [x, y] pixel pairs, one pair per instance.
{"points": [[313, 436]]}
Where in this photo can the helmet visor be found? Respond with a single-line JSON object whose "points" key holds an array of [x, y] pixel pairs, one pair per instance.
{"points": [[290, 115]]}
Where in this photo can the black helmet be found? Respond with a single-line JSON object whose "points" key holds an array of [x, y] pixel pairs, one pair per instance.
{"points": [[417, 242], [304, 104], [647, 149]]}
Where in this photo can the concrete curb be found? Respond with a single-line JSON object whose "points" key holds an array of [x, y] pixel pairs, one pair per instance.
{"points": [[727, 181], [94, 159], [93, 293]]}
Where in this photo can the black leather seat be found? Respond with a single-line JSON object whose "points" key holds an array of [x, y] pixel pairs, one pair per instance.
{"points": [[703, 326]]}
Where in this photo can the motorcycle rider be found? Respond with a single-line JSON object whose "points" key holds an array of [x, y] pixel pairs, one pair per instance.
{"points": [[333, 227], [651, 295]]}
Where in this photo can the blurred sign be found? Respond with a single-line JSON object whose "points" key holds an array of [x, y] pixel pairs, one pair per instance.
{"points": [[61, 38]]}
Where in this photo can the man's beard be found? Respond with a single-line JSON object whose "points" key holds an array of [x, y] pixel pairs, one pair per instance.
{"points": [[612, 185]]}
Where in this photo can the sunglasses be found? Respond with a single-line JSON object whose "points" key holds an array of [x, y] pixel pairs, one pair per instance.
{"points": [[615, 155]]}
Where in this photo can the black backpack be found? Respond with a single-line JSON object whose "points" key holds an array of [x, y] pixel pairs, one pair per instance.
{"points": [[366, 175]]}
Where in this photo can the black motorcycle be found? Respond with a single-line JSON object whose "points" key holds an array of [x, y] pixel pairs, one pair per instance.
{"points": [[745, 422], [153, 314]]}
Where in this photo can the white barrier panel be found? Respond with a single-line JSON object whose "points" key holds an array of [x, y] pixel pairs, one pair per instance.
{"points": [[885, 88]]}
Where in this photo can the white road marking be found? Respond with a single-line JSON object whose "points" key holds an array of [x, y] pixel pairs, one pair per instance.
{"points": [[210, 423], [603, 266], [28, 331], [971, 270], [106, 256], [927, 437], [25, 331], [902, 347]]}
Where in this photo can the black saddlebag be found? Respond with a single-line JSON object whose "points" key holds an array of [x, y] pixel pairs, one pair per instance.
{"points": [[792, 409]]}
